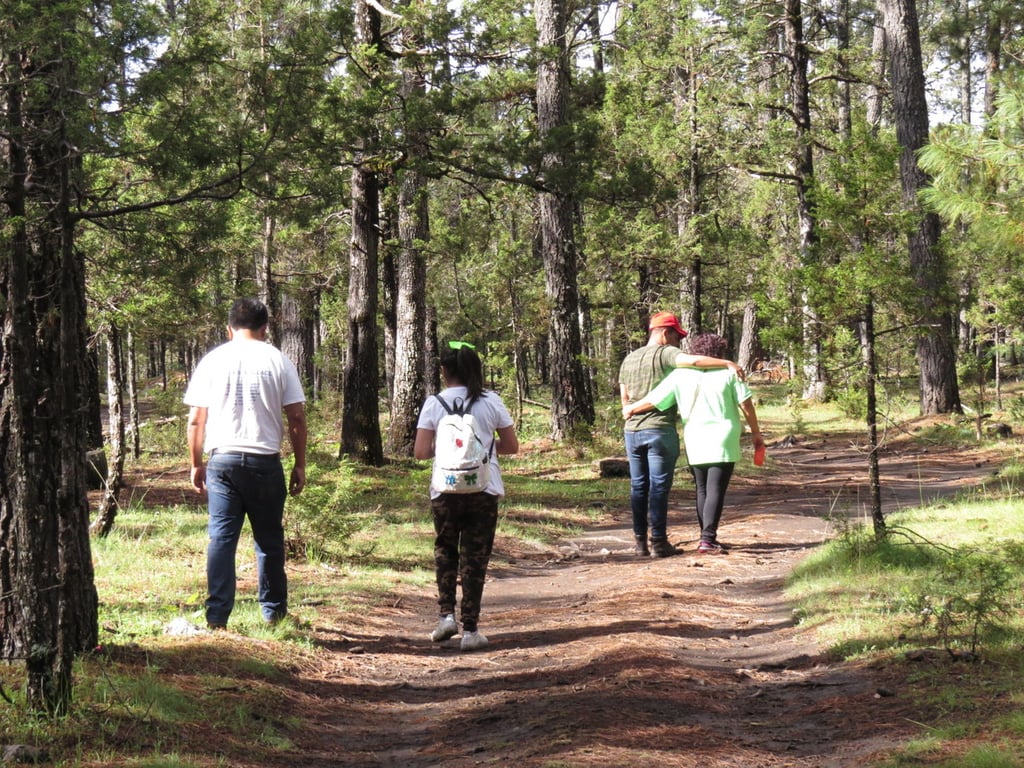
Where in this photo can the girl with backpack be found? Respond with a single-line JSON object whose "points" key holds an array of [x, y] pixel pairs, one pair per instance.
{"points": [[465, 509]]}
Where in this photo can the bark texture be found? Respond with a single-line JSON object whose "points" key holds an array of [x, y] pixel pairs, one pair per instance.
{"points": [[48, 603], [571, 404], [360, 419], [936, 357]]}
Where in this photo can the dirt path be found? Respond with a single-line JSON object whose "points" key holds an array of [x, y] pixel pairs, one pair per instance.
{"points": [[600, 658]]}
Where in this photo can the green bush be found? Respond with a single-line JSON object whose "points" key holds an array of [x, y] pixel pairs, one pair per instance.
{"points": [[972, 595], [320, 521], [853, 402], [1016, 409]]}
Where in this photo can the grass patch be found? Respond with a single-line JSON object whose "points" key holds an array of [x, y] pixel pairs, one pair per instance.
{"points": [[942, 597]]}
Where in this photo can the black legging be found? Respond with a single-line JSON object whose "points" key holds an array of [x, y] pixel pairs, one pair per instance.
{"points": [[711, 481]]}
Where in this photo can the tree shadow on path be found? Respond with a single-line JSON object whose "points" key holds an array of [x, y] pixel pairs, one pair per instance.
{"points": [[602, 658]]}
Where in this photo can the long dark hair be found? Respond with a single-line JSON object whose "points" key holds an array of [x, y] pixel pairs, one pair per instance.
{"points": [[463, 365]]}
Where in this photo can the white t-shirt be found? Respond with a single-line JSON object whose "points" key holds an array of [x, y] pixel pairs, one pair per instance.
{"points": [[244, 384], [490, 415]]}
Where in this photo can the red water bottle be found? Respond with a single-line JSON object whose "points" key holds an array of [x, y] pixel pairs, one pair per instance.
{"points": [[759, 453]]}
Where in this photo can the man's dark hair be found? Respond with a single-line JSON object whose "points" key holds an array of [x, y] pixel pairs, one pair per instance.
{"points": [[250, 314], [709, 344]]}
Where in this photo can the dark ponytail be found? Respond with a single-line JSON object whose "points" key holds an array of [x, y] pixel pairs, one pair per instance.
{"points": [[463, 366]]}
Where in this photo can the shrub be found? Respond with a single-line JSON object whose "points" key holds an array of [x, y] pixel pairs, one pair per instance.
{"points": [[972, 594], [321, 520]]}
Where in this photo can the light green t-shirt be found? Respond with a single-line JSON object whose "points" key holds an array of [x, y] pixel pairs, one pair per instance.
{"points": [[709, 406]]}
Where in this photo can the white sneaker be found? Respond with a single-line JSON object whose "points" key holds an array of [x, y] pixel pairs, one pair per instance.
{"points": [[446, 628], [472, 641]]}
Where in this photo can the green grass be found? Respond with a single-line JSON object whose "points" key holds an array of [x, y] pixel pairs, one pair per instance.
{"points": [[948, 580]]}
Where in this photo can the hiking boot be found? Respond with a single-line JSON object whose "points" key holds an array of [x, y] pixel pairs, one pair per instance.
{"points": [[472, 641], [711, 548], [641, 546], [446, 628], [662, 548]]}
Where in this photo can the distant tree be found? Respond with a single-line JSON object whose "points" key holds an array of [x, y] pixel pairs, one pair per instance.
{"points": [[360, 415], [936, 357], [572, 405]]}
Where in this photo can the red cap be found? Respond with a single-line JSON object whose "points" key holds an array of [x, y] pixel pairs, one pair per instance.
{"points": [[666, 320]]}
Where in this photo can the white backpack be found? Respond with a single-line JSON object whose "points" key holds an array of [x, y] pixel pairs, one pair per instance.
{"points": [[461, 463]]}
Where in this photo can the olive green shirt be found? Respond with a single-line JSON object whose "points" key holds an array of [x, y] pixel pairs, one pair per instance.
{"points": [[640, 372]]}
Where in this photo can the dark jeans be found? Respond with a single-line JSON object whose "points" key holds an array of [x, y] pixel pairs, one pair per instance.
{"points": [[464, 524], [240, 486], [711, 481], [652, 457]]}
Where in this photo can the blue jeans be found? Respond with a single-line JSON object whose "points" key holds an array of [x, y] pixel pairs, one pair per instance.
{"points": [[240, 486], [652, 457]]}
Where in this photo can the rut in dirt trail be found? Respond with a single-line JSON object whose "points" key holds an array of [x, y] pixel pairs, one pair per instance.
{"points": [[601, 658]]}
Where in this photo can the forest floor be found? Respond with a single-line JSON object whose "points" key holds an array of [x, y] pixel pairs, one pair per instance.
{"points": [[598, 657]]}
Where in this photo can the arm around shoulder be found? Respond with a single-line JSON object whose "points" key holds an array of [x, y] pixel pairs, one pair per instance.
{"points": [[684, 360]]}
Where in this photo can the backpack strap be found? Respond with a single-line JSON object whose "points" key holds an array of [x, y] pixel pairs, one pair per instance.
{"points": [[447, 408], [459, 407]]}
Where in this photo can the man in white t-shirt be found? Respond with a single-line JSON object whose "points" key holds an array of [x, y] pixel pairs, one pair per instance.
{"points": [[236, 397]]}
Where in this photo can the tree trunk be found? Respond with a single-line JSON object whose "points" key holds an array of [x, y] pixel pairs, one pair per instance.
{"points": [[360, 422], [571, 405], [690, 202], [871, 386], [746, 356], [48, 602], [94, 407], [803, 163], [936, 357], [132, 376], [104, 521], [843, 47], [267, 286], [409, 386], [876, 90], [431, 354], [993, 58], [360, 415], [296, 339], [388, 234]]}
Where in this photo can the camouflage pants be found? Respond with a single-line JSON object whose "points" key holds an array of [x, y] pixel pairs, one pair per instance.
{"points": [[464, 525]]}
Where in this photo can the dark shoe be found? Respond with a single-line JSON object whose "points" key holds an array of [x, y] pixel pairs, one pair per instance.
{"points": [[711, 548], [641, 546], [214, 626], [662, 548]]}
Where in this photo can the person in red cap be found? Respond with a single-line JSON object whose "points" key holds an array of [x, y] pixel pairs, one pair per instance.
{"points": [[652, 442]]}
